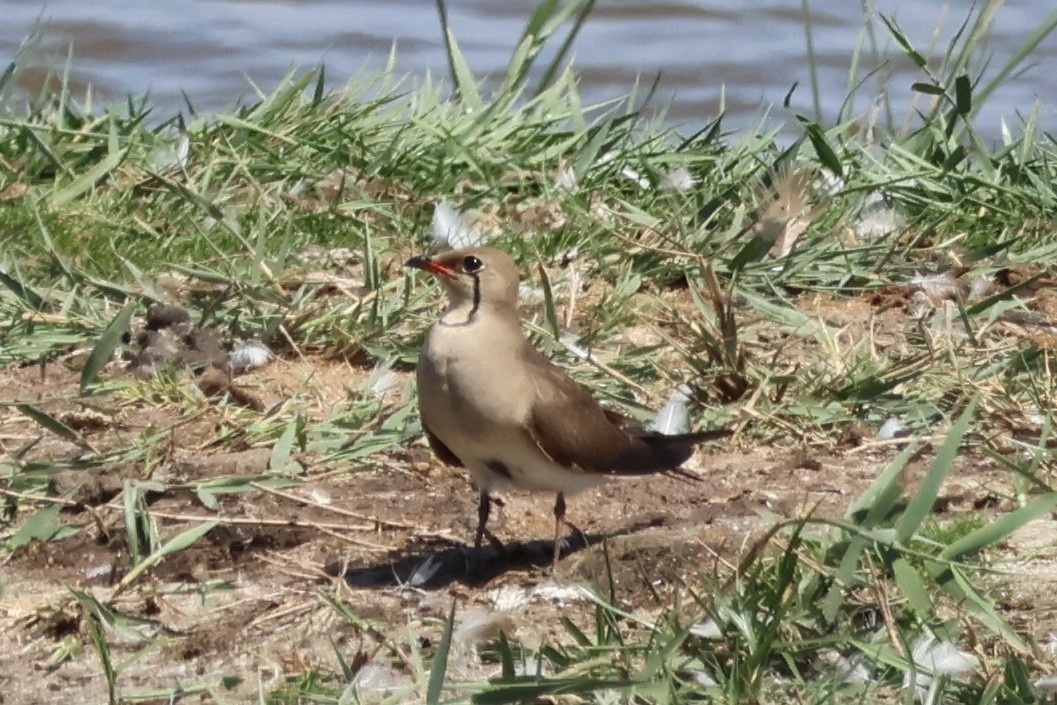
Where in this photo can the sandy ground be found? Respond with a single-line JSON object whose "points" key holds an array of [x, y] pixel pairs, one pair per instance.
{"points": [[387, 537]]}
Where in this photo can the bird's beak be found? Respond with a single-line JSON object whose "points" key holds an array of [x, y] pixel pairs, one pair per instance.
{"points": [[430, 265]]}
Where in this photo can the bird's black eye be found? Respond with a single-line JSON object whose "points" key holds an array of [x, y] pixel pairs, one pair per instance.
{"points": [[471, 264]]}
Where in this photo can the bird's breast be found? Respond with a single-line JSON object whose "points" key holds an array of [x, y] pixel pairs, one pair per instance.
{"points": [[469, 393]]}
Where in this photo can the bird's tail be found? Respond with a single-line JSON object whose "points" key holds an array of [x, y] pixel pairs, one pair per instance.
{"points": [[656, 452]]}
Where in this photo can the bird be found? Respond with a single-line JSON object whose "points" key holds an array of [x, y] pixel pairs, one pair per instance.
{"points": [[492, 403]]}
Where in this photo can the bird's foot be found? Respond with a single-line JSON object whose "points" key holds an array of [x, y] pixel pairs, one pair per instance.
{"points": [[494, 542], [568, 544]]}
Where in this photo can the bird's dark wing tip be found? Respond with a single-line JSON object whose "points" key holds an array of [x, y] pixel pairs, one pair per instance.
{"points": [[440, 450]]}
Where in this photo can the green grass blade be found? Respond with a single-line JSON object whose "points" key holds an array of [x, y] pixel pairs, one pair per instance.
{"points": [[550, 312], [555, 66], [826, 154], [506, 657], [958, 586], [439, 668], [283, 447], [95, 634], [881, 496], [920, 506], [32, 299], [88, 179], [1000, 529], [538, 691], [180, 542], [50, 423], [913, 587], [463, 82], [42, 526], [1042, 30], [105, 347]]}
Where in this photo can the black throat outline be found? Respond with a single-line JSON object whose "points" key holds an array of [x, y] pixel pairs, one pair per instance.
{"points": [[472, 315], [476, 295]]}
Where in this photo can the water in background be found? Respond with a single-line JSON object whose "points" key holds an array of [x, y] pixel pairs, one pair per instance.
{"points": [[744, 56]]}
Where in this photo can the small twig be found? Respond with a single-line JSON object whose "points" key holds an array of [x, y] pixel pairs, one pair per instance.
{"points": [[591, 359], [649, 247], [282, 563], [41, 498], [574, 287], [873, 445], [327, 528], [376, 521], [884, 604], [793, 430], [273, 615], [290, 342], [374, 547]]}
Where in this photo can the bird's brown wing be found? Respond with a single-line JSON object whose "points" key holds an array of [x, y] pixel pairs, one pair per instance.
{"points": [[440, 450], [575, 431]]}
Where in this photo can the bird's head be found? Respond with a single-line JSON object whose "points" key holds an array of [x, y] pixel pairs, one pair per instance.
{"points": [[474, 276]]}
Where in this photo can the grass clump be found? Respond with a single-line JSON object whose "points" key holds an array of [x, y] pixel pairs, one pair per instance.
{"points": [[811, 293]]}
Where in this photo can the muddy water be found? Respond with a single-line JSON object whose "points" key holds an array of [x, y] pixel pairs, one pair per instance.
{"points": [[744, 56]]}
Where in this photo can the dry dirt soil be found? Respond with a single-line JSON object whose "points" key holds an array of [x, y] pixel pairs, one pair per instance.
{"points": [[244, 602]]}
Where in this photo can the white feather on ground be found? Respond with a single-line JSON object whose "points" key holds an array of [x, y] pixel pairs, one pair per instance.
{"points": [[455, 229], [249, 355], [674, 417], [934, 657]]}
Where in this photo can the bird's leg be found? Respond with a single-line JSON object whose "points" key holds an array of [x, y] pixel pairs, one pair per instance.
{"points": [[483, 510], [482, 518], [559, 522]]}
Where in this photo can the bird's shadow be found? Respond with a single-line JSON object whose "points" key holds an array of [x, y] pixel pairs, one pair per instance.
{"points": [[438, 563]]}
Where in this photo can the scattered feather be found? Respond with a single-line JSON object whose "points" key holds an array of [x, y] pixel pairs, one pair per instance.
{"points": [[455, 229], [703, 678], [634, 176], [379, 678], [565, 178], [528, 293], [99, 571], [435, 601], [942, 656], [508, 598], [829, 183], [425, 571], [576, 350], [174, 156], [938, 287], [852, 670], [627, 172], [934, 657], [919, 305], [537, 668], [319, 495], [891, 428], [980, 287], [249, 355], [679, 179], [315, 254], [553, 591], [1047, 685], [788, 213], [1034, 417], [707, 629], [674, 417], [480, 625], [878, 218], [384, 382]]}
